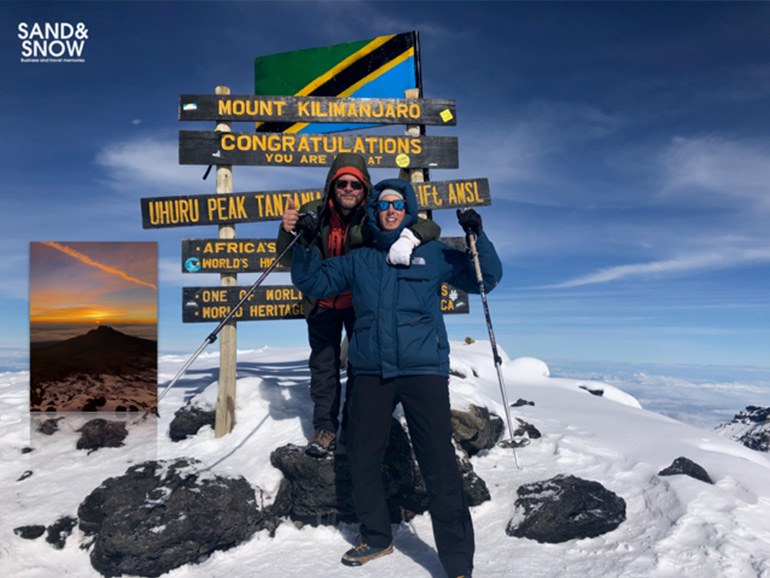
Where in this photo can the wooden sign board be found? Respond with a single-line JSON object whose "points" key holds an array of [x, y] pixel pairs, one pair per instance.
{"points": [[218, 209], [309, 150], [202, 304], [454, 194], [229, 255], [212, 304], [245, 255], [307, 109]]}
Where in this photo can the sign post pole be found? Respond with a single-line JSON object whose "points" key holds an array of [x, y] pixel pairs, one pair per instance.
{"points": [[414, 176], [412, 130], [225, 414]]}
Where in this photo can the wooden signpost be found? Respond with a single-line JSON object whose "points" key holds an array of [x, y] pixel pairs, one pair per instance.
{"points": [[309, 109], [185, 211], [245, 255], [268, 302], [272, 302], [229, 256], [413, 153], [200, 147]]}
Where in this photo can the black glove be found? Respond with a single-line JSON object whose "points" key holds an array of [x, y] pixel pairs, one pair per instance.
{"points": [[307, 228], [470, 221]]}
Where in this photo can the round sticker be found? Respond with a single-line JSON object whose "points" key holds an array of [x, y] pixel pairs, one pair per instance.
{"points": [[402, 160], [193, 264]]}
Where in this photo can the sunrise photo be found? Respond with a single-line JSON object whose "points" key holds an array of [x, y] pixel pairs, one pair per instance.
{"points": [[93, 326]]}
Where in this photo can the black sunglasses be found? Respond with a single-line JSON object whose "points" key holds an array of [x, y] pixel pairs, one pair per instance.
{"points": [[398, 205], [355, 185]]}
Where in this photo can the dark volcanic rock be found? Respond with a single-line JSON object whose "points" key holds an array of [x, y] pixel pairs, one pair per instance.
{"points": [[476, 429], [318, 490], [522, 435], [751, 427], [162, 515], [100, 433], [87, 367], [24, 476], [686, 467], [95, 403], [565, 508], [521, 402], [60, 530], [29, 532], [49, 426], [101, 351], [593, 391], [188, 420], [526, 429]]}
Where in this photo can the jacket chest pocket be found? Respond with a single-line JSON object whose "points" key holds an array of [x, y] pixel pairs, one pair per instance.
{"points": [[416, 289]]}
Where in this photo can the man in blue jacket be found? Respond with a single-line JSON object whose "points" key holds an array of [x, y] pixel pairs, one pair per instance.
{"points": [[400, 353]]}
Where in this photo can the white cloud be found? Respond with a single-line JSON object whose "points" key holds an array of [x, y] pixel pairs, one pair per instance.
{"points": [[152, 167], [529, 144], [715, 170], [729, 257], [143, 161]]}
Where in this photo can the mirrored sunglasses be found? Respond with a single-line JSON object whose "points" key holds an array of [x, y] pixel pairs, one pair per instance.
{"points": [[398, 205], [342, 184]]}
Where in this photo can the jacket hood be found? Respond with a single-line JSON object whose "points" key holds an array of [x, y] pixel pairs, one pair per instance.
{"points": [[384, 239], [341, 161]]}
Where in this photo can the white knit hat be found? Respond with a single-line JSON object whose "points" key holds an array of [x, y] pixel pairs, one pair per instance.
{"points": [[386, 192]]}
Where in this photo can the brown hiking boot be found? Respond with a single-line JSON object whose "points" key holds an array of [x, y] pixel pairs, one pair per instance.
{"points": [[363, 553], [320, 444]]}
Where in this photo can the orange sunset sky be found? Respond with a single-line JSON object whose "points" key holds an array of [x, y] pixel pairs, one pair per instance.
{"points": [[91, 283]]}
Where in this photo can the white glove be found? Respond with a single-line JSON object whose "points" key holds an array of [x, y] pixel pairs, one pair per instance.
{"points": [[401, 251]]}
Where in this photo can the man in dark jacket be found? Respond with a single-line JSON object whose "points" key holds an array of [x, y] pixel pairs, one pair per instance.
{"points": [[400, 353], [342, 217]]}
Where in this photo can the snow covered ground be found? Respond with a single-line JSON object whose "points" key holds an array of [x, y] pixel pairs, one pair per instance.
{"points": [[676, 526]]}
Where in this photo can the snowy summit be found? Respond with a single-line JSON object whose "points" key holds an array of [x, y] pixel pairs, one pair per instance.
{"points": [[674, 525]]}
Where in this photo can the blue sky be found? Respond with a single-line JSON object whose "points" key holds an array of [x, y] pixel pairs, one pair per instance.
{"points": [[627, 147]]}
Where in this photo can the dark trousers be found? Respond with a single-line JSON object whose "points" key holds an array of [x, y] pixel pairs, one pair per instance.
{"points": [[324, 330], [425, 399]]}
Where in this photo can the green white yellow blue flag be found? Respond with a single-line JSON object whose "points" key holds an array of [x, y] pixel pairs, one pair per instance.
{"points": [[382, 67]]}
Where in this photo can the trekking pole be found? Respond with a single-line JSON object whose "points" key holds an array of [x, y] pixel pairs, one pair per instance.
{"points": [[498, 360], [213, 335]]}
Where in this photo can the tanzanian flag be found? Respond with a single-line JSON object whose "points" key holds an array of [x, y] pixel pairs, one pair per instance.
{"points": [[382, 67]]}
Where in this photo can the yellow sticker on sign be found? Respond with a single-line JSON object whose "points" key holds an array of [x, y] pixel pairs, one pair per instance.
{"points": [[446, 115], [402, 161]]}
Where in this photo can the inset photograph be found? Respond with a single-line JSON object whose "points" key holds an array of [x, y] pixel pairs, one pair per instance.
{"points": [[93, 326]]}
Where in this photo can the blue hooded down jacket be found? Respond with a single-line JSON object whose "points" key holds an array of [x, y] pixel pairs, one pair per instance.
{"points": [[399, 326]]}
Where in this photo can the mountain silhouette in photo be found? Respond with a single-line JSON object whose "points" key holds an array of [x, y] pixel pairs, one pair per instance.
{"points": [[103, 370]]}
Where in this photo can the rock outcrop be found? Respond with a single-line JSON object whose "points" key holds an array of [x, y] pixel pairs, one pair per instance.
{"points": [[686, 467], [318, 491], [161, 515], [565, 508], [751, 427]]}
